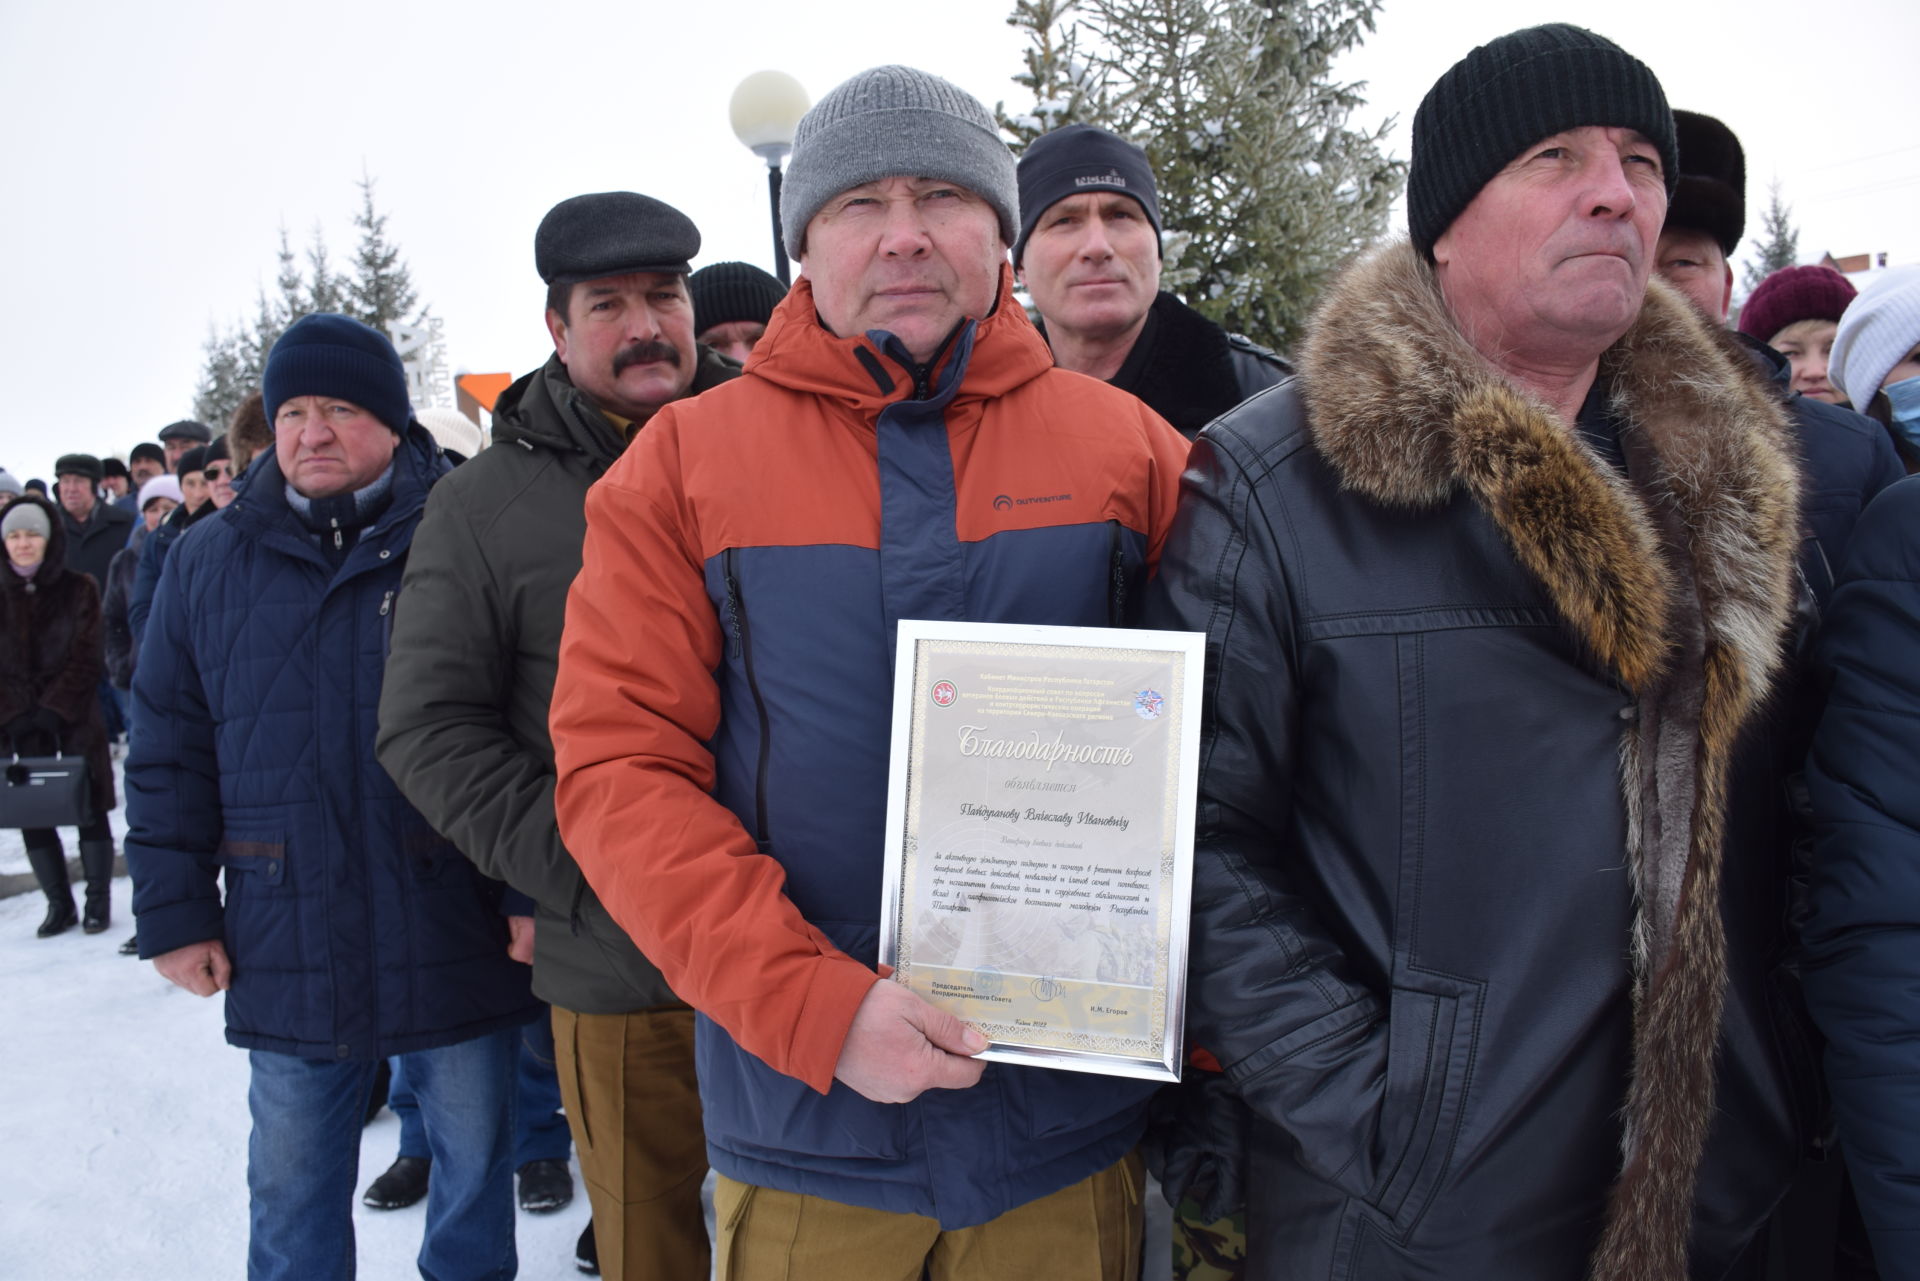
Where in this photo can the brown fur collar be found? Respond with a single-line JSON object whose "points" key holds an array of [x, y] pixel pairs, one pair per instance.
{"points": [[1407, 413]]}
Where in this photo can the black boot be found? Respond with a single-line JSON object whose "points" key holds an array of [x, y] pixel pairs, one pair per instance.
{"points": [[96, 860], [404, 1183], [49, 863], [586, 1252]]}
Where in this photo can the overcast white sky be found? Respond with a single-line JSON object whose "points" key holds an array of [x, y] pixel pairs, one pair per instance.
{"points": [[153, 151]]}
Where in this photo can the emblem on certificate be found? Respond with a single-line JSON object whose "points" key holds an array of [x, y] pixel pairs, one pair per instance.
{"points": [[1040, 812]]}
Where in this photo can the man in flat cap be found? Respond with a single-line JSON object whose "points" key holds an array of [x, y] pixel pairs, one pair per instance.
{"points": [[178, 438], [900, 446], [1089, 255], [463, 720], [1492, 591]]}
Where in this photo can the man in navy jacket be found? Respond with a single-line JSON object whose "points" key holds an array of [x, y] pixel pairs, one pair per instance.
{"points": [[349, 929]]}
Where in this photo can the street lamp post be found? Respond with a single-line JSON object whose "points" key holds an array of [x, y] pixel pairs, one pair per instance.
{"points": [[766, 107]]}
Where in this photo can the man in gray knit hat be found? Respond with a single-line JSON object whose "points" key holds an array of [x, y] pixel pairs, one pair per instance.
{"points": [[900, 446]]}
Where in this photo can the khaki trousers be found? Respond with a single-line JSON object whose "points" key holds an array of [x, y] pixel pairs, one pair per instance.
{"points": [[1087, 1232], [634, 1108]]}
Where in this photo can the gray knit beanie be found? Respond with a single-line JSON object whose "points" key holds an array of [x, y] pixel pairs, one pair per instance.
{"points": [[895, 122], [28, 516]]}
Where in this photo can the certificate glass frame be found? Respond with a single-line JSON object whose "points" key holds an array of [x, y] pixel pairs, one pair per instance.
{"points": [[1039, 840]]}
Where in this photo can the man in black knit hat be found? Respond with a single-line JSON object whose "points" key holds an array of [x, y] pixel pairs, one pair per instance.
{"points": [[1493, 591], [732, 302], [1089, 256]]}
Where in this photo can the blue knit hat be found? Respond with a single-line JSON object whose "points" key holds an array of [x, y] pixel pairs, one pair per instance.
{"points": [[328, 355]]}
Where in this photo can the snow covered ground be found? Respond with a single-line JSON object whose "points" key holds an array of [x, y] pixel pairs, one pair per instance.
{"points": [[124, 1127], [123, 1124]]}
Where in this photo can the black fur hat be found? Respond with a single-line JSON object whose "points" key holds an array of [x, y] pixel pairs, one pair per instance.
{"points": [[1712, 195]]}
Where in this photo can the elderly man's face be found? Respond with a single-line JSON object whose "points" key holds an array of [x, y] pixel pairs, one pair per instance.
{"points": [[143, 470], [912, 256], [627, 341], [327, 446], [1551, 259], [76, 495], [1691, 261], [174, 447], [1092, 264]]}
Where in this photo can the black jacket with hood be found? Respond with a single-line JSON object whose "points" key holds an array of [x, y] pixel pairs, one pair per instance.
{"points": [[476, 641]]}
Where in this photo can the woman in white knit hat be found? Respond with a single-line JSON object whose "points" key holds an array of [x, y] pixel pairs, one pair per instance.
{"points": [[1876, 357]]}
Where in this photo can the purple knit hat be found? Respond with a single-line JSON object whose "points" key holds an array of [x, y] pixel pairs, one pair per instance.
{"points": [[1793, 294]]}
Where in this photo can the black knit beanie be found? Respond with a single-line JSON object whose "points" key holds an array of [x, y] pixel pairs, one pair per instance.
{"points": [[1076, 160], [725, 292], [1512, 92], [330, 355]]}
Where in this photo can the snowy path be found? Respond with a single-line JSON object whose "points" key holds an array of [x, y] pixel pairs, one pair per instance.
{"points": [[123, 1138]]}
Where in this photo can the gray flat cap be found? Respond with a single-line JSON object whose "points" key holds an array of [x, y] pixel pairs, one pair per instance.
{"points": [[187, 429], [612, 233]]}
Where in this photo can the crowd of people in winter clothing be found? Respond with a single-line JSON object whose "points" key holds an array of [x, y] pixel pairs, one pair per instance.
{"points": [[1556, 885]]}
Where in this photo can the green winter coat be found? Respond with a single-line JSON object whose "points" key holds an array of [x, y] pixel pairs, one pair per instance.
{"points": [[475, 644]]}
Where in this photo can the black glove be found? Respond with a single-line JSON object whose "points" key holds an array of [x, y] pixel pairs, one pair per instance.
{"points": [[48, 721], [1196, 1143]]}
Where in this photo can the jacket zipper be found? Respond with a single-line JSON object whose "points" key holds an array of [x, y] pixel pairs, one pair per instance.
{"points": [[386, 623], [743, 647], [1117, 588]]}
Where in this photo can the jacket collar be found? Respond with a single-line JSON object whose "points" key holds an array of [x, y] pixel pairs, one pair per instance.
{"points": [[1408, 413], [798, 353], [261, 508], [545, 409]]}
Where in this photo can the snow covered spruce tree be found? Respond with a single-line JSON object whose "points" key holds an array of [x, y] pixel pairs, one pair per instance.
{"points": [[1264, 187], [1779, 245], [378, 291]]}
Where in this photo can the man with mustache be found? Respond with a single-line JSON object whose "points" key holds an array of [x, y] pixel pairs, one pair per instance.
{"points": [[1089, 255], [1495, 591], [463, 715], [722, 712]]}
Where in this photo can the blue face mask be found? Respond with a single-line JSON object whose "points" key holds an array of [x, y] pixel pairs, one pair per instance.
{"points": [[1904, 398]]}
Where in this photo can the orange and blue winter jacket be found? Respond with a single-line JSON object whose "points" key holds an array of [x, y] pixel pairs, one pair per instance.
{"points": [[724, 703]]}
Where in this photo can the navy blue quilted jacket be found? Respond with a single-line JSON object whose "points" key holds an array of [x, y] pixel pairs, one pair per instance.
{"points": [[1862, 934], [354, 930]]}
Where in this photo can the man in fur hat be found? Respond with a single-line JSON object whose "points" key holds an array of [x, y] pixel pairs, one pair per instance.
{"points": [[1491, 591]]}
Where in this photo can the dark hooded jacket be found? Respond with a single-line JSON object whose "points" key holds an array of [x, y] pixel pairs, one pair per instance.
{"points": [[153, 559], [90, 547], [463, 715], [1863, 932], [52, 656], [355, 931], [1473, 699]]}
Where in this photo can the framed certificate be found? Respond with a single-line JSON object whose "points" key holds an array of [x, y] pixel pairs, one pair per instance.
{"points": [[1040, 812]]}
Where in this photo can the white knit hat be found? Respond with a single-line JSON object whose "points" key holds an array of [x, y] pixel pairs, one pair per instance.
{"points": [[162, 486], [453, 430], [1880, 327]]}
